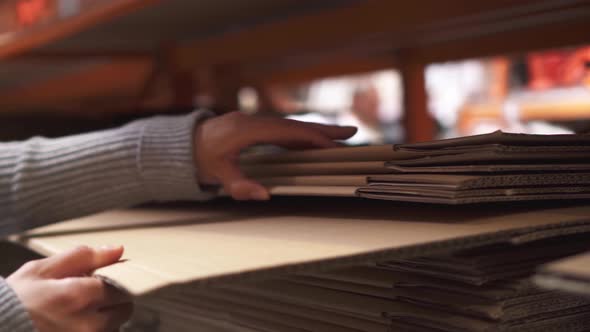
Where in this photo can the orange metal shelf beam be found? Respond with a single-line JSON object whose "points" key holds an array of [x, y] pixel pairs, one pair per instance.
{"points": [[15, 43], [371, 22], [116, 78]]}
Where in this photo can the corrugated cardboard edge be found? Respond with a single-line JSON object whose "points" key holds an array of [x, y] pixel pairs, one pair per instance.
{"points": [[516, 236]]}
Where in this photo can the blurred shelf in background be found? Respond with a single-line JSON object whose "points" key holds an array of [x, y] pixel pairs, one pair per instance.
{"points": [[132, 56]]}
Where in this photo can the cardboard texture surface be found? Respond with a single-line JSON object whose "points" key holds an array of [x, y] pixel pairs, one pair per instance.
{"points": [[325, 191], [422, 302], [318, 180], [345, 154], [499, 137], [227, 239], [316, 168], [500, 168]]}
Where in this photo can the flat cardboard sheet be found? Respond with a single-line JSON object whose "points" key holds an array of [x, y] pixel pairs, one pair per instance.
{"points": [[463, 182], [225, 240], [319, 180], [324, 191], [497, 168], [570, 274], [316, 168], [496, 146], [497, 157], [344, 154], [499, 137]]}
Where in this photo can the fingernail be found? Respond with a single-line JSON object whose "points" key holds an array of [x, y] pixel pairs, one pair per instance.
{"points": [[259, 195]]}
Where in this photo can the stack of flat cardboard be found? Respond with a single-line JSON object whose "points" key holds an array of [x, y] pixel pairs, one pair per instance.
{"points": [[338, 264], [473, 290], [484, 168], [343, 264]]}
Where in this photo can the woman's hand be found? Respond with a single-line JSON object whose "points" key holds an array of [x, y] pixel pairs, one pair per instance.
{"points": [[218, 142], [61, 296]]}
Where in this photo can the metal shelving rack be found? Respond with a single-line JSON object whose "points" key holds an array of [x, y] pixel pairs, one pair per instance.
{"points": [[121, 55]]}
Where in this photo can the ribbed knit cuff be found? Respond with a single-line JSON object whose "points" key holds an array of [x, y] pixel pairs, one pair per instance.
{"points": [[13, 315], [166, 163]]}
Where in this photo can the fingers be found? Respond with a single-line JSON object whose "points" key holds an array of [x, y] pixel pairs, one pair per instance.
{"points": [[248, 190], [219, 141], [293, 134], [333, 132], [77, 294], [80, 261], [237, 185]]}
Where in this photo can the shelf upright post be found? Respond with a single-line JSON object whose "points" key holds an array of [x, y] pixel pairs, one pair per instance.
{"points": [[418, 122]]}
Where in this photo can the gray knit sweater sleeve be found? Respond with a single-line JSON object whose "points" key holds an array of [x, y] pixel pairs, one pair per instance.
{"points": [[48, 180]]}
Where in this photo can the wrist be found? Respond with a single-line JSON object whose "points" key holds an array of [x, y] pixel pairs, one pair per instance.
{"points": [[13, 316], [166, 162]]}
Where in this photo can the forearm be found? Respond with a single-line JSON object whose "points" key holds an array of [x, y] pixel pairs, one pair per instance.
{"points": [[48, 180]]}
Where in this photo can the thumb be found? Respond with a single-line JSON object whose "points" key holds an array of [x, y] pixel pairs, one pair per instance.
{"points": [[80, 261], [238, 186]]}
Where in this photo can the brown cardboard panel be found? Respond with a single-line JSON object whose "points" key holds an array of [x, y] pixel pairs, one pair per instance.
{"points": [[364, 153], [452, 181], [499, 137], [269, 306], [223, 240], [576, 266], [435, 299], [367, 306], [310, 191], [442, 191], [518, 306], [499, 168], [318, 181], [482, 181], [570, 274], [576, 319], [382, 277], [326, 191], [495, 148], [246, 314], [367, 192], [486, 259], [315, 168], [497, 157]]}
